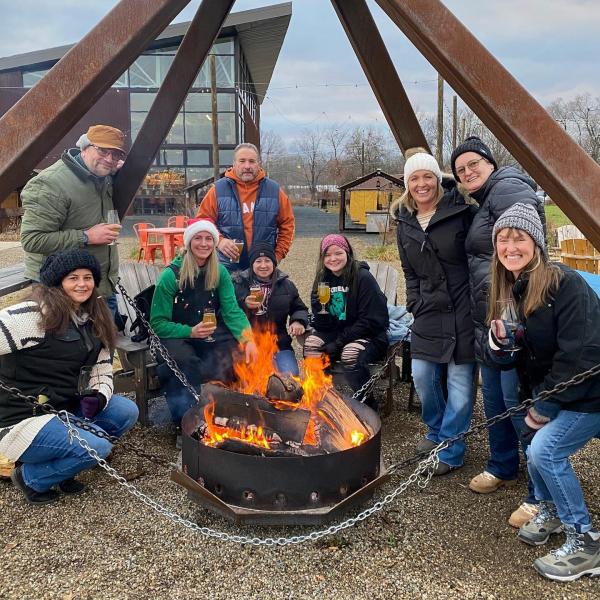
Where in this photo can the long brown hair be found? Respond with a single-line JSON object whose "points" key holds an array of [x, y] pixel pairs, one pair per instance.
{"points": [[56, 309], [543, 279]]}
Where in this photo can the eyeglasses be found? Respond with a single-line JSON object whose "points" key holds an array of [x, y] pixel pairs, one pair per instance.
{"points": [[115, 155], [472, 164]]}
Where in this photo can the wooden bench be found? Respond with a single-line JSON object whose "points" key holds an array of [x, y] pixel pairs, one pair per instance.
{"points": [[12, 279], [138, 368], [579, 254]]}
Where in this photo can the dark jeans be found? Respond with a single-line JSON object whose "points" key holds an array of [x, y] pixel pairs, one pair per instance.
{"points": [[200, 361]]}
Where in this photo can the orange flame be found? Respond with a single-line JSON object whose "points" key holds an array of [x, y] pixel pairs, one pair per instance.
{"points": [[215, 434]]}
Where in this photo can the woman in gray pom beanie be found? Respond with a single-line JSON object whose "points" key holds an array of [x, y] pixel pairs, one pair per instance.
{"points": [[556, 311], [47, 345]]}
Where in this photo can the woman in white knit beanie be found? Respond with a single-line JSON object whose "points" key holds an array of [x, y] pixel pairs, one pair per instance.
{"points": [[433, 221]]}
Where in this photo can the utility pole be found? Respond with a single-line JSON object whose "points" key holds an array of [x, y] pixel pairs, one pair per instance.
{"points": [[439, 151], [454, 120], [463, 126], [362, 158], [215, 117]]}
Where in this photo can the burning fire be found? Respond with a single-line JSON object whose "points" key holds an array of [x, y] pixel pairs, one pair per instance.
{"points": [[252, 379], [215, 434]]}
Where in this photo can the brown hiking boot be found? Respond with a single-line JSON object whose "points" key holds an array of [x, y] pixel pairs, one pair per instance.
{"points": [[486, 483]]}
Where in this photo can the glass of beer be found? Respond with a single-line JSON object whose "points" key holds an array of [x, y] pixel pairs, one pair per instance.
{"points": [[324, 296], [112, 218], [209, 318], [258, 296], [239, 244], [510, 320]]}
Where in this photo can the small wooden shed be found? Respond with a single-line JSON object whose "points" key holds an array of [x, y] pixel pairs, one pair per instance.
{"points": [[368, 196]]}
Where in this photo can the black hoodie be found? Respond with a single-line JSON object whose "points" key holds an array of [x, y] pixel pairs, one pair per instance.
{"points": [[362, 309]]}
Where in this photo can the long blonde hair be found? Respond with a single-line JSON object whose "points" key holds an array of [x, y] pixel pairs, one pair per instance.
{"points": [[190, 269], [543, 279]]}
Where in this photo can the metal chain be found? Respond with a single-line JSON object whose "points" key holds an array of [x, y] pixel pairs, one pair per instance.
{"points": [[421, 476]]}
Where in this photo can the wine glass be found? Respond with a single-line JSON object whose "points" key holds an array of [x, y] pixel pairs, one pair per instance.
{"points": [[324, 293], [209, 318], [84, 386], [112, 218], [258, 296], [510, 319]]}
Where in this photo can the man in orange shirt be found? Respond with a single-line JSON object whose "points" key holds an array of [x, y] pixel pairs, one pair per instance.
{"points": [[247, 206]]}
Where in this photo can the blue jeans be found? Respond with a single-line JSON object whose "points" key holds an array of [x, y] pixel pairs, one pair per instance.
{"points": [[285, 361], [500, 392], [550, 469], [51, 458], [445, 418], [111, 301]]}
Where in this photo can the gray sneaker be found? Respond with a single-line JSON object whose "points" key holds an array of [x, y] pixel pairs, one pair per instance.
{"points": [[537, 531], [578, 556]]}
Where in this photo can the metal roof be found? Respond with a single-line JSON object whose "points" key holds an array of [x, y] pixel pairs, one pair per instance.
{"points": [[261, 32]]}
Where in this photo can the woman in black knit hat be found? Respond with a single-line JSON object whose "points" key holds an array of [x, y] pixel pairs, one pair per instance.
{"points": [[280, 306], [495, 190], [57, 347]]}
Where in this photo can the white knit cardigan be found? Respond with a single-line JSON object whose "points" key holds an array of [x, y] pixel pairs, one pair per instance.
{"points": [[20, 328]]}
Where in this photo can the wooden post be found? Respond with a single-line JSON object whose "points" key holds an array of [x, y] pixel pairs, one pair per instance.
{"points": [[215, 117], [439, 150]]}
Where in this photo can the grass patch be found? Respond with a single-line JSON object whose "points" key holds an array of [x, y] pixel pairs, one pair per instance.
{"points": [[555, 217], [387, 252]]}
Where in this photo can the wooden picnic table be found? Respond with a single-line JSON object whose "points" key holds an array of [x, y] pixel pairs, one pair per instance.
{"points": [[169, 234]]}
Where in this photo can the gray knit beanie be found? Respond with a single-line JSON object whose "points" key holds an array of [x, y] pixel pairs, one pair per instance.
{"points": [[524, 217]]}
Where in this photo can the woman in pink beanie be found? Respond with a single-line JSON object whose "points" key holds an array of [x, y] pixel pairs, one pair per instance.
{"points": [[352, 325]]}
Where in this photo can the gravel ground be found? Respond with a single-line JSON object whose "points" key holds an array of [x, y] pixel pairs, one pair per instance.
{"points": [[440, 541]]}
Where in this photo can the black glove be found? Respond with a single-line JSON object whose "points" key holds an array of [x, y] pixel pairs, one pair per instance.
{"points": [[91, 404], [332, 349], [527, 434]]}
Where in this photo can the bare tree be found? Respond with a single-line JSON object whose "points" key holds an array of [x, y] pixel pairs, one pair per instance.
{"points": [[312, 159], [271, 148], [580, 117], [365, 149], [335, 137]]}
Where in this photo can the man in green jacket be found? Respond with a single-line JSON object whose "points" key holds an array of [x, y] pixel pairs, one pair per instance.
{"points": [[67, 204]]}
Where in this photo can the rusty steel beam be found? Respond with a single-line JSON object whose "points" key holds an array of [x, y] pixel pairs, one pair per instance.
{"points": [[194, 48], [31, 128], [540, 145], [360, 27]]}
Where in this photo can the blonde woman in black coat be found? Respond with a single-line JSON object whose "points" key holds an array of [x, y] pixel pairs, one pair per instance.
{"points": [[433, 221]]}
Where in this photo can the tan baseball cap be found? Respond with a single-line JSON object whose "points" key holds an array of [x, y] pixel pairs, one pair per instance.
{"points": [[106, 136]]}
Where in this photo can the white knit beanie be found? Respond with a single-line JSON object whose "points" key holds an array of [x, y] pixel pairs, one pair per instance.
{"points": [[421, 162], [198, 226]]}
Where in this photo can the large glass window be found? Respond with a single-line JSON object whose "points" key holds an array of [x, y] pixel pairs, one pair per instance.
{"points": [[198, 174], [176, 135], [202, 102], [171, 156], [198, 156], [225, 73], [141, 101], [30, 78], [137, 119], [149, 70]]}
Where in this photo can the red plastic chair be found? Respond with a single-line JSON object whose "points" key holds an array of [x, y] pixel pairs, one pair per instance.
{"points": [[178, 221], [148, 242]]}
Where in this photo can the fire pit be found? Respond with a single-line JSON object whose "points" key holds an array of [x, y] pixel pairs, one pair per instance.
{"points": [[258, 459]]}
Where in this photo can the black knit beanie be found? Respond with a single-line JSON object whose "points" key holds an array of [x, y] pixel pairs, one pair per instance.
{"points": [[261, 249], [471, 144], [57, 266]]}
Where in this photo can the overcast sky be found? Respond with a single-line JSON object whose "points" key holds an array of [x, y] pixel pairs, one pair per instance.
{"points": [[551, 46]]}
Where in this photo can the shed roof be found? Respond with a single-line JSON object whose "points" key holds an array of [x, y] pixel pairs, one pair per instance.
{"points": [[369, 181]]}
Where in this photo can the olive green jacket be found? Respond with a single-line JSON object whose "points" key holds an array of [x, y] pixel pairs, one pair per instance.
{"points": [[60, 203]]}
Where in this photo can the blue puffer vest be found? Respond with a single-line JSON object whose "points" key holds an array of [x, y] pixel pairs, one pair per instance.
{"points": [[229, 220]]}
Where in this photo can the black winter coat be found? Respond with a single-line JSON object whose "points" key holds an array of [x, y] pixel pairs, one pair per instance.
{"points": [[561, 340], [505, 187], [436, 271], [366, 311], [284, 302]]}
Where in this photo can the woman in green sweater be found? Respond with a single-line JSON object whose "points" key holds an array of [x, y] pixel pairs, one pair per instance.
{"points": [[186, 292]]}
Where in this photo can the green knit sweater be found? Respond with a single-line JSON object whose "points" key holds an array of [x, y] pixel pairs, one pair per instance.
{"points": [[161, 313]]}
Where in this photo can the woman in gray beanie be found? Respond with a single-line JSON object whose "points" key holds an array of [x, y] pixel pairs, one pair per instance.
{"points": [[57, 348], [495, 190], [556, 338]]}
